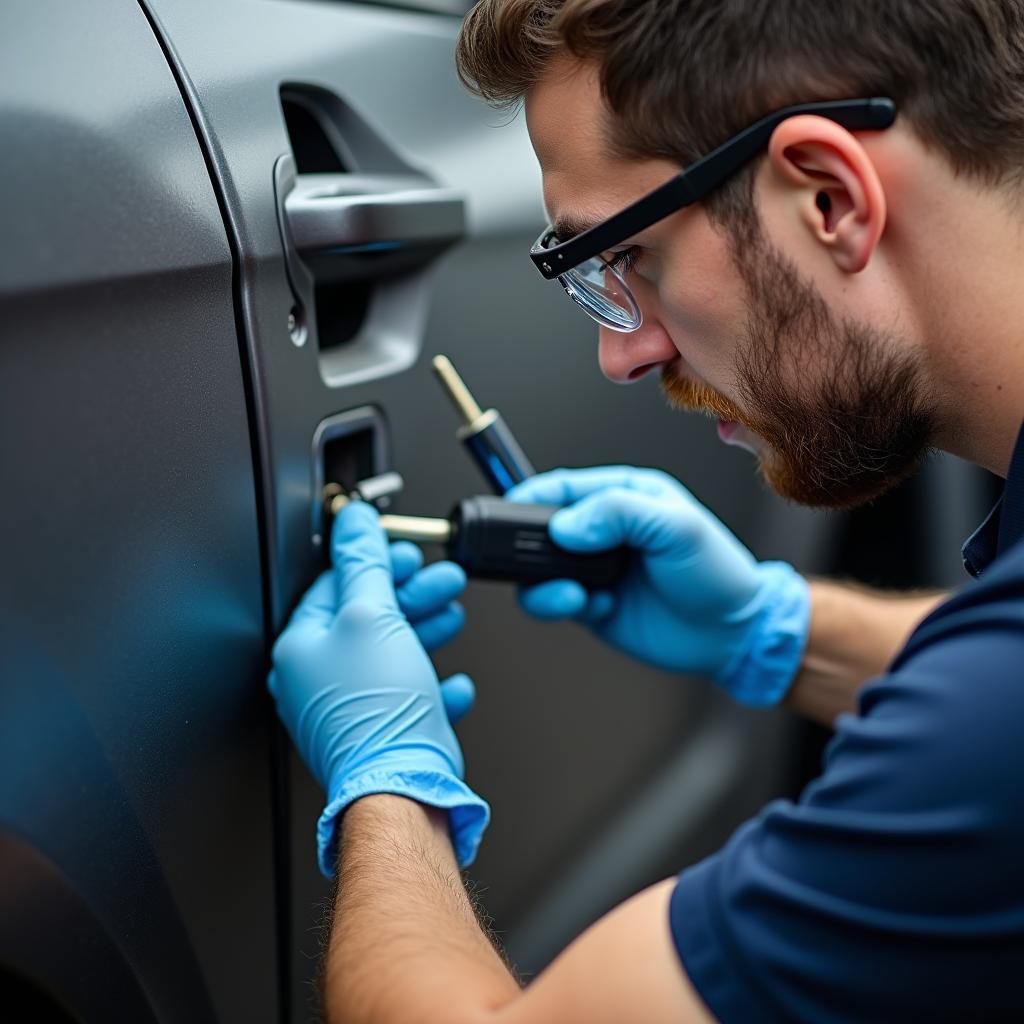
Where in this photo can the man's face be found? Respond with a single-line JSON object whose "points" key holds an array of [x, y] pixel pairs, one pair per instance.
{"points": [[831, 405]]}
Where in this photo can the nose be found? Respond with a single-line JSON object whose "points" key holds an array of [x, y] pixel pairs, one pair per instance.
{"points": [[625, 358]]}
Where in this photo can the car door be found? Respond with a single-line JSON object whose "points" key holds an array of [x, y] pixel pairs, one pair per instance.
{"points": [[137, 873]]}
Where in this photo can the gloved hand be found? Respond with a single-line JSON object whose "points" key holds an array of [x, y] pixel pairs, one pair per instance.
{"points": [[427, 598], [360, 697], [693, 600]]}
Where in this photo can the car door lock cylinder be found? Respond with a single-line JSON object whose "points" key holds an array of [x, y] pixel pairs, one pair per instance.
{"points": [[377, 490], [485, 435], [494, 539]]}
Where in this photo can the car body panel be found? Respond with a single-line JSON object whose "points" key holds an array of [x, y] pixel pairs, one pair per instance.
{"points": [[135, 727]]}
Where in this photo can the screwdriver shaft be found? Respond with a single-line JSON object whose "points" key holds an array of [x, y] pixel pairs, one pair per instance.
{"points": [[415, 528], [456, 389]]}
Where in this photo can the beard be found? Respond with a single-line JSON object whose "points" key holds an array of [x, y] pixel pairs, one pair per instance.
{"points": [[840, 406]]}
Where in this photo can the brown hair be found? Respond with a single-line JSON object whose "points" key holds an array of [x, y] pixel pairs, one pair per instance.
{"points": [[681, 76]]}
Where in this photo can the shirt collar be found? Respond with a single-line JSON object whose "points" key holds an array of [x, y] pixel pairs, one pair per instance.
{"points": [[1005, 523]]}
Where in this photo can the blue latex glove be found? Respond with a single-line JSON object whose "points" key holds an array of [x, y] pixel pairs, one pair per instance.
{"points": [[360, 697], [693, 600], [427, 598]]}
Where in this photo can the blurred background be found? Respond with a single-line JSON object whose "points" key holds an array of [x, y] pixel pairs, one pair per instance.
{"points": [[182, 365]]}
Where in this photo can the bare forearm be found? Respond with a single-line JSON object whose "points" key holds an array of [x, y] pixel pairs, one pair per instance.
{"points": [[854, 635], [406, 945]]}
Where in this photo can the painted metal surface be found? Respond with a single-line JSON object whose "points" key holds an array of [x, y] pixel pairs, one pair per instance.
{"points": [[135, 823]]}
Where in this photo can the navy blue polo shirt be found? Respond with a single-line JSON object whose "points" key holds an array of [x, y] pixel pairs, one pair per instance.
{"points": [[894, 888]]}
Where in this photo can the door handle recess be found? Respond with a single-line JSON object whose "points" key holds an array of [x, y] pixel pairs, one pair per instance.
{"points": [[358, 249]]}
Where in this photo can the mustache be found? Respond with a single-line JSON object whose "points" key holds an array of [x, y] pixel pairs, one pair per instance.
{"points": [[695, 396]]}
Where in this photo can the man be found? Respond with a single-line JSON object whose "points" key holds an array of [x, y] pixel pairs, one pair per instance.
{"points": [[840, 288]]}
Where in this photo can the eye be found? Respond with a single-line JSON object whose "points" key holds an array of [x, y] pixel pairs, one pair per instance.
{"points": [[624, 261]]}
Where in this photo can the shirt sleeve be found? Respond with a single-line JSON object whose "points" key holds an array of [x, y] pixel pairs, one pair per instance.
{"points": [[894, 888]]}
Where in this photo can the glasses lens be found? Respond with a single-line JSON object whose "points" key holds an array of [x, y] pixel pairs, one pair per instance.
{"points": [[604, 295]]}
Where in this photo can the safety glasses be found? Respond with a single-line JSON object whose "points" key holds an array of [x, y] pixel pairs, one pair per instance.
{"points": [[582, 264]]}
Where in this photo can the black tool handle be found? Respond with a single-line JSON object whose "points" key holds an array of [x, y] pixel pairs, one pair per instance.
{"points": [[495, 539]]}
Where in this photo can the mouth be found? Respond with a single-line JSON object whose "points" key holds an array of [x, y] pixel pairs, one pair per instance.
{"points": [[736, 434], [727, 430], [692, 394]]}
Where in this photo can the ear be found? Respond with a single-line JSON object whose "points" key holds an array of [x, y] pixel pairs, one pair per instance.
{"points": [[837, 189]]}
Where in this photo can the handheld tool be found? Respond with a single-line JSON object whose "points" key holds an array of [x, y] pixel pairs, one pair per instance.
{"points": [[485, 435], [495, 539]]}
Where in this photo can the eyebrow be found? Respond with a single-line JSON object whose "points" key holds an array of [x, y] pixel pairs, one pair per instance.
{"points": [[569, 226]]}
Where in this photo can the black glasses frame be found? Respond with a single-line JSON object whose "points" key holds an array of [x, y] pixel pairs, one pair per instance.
{"points": [[694, 182]]}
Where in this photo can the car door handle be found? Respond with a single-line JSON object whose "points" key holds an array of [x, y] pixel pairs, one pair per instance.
{"points": [[348, 213], [358, 250]]}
